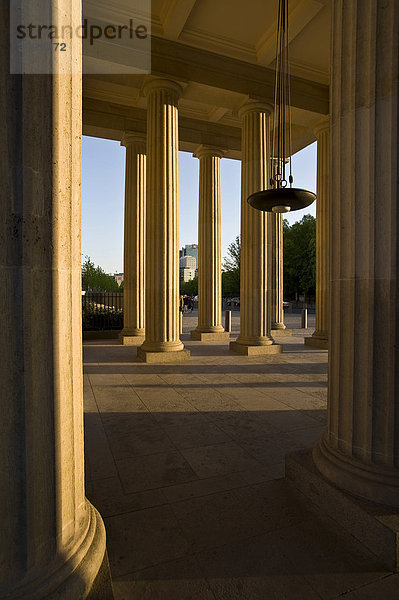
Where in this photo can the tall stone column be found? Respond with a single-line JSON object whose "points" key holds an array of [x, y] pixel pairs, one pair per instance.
{"points": [[277, 274], [162, 342], [320, 337], [52, 539], [360, 450], [255, 294], [134, 247], [209, 246], [277, 291]]}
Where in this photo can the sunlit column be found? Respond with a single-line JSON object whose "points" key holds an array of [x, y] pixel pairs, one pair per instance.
{"points": [[277, 290], [162, 342], [134, 246], [52, 541], [320, 337], [209, 247], [255, 294], [360, 450]]}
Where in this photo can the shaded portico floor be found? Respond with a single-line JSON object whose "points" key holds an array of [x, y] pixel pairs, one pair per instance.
{"points": [[186, 463]]}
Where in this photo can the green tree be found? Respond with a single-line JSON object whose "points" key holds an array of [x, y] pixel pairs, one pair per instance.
{"points": [[300, 258], [190, 288], [95, 279], [231, 266]]}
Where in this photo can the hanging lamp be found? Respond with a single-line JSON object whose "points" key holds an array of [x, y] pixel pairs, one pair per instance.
{"points": [[281, 197]]}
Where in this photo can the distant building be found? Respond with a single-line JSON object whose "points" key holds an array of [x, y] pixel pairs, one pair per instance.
{"points": [[191, 250], [187, 274], [188, 267], [188, 262], [118, 277]]}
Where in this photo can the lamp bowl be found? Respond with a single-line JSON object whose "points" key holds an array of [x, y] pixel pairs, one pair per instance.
{"points": [[288, 198]]}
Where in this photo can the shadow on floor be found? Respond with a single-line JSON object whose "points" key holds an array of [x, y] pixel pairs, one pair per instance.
{"points": [[185, 463], [194, 507]]}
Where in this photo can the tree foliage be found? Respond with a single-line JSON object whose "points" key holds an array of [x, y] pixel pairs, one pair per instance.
{"points": [[231, 274], [189, 288], [95, 279], [231, 262], [300, 258]]}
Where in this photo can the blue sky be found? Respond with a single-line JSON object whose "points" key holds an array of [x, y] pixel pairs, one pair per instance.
{"points": [[103, 182]]}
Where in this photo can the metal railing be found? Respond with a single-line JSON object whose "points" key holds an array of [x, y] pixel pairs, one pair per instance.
{"points": [[102, 311]]}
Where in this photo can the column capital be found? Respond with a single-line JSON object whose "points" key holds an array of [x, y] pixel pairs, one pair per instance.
{"points": [[256, 107], [130, 137], [321, 127], [162, 84], [209, 151]]}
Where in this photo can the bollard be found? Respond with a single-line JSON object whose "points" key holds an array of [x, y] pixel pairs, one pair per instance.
{"points": [[227, 321], [180, 322], [304, 318]]}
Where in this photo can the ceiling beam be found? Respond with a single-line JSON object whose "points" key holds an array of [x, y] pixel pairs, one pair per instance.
{"points": [[107, 120], [185, 63], [217, 113], [174, 16]]}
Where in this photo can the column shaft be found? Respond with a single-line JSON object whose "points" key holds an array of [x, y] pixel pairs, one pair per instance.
{"points": [[277, 287], [134, 234], [162, 225], [209, 246], [360, 451], [255, 294], [320, 337], [52, 540]]}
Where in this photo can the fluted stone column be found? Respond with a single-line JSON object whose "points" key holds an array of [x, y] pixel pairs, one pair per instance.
{"points": [[277, 274], [52, 541], [209, 247], [162, 342], [255, 294], [360, 450], [134, 247], [319, 339]]}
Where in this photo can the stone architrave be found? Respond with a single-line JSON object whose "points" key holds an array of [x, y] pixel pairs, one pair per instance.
{"points": [[319, 339], [209, 246], [162, 338], [52, 539], [134, 246], [255, 294]]}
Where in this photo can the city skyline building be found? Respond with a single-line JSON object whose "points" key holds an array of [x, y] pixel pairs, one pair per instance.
{"points": [[191, 250]]}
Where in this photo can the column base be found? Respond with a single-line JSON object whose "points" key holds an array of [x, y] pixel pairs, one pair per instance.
{"points": [[148, 356], [316, 342], [278, 325], [84, 573], [280, 332], [131, 340], [376, 527], [255, 350], [102, 586], [369, 482], [211, 336]]}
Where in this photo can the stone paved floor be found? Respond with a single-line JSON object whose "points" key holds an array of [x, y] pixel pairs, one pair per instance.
{"points": [[186, 463]]}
